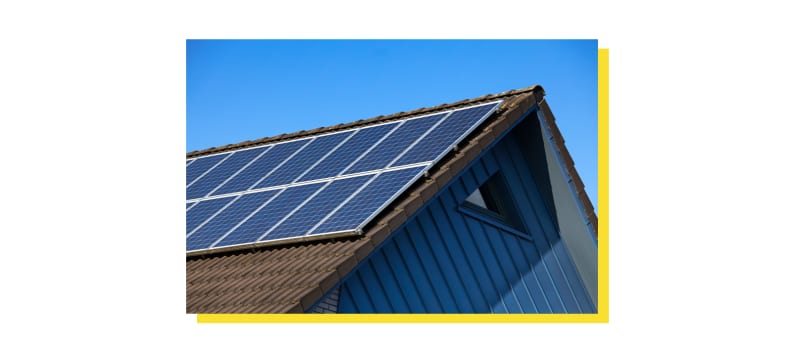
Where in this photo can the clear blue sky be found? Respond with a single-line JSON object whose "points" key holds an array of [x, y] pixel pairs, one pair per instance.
{"points": [[244, 90]]}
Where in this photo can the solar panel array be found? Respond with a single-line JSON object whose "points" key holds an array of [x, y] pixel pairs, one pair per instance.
{"points": [[320, 185]]}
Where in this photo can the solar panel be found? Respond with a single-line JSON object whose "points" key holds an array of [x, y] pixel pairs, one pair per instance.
{"points": [[363, 205], [397, 142], [200, 166], [341, 158], [210, 231], [260, 222], [302, 161], [442, 138], [203, 210], [234, 163], [262, 167], [333, 183], [305, 218]]}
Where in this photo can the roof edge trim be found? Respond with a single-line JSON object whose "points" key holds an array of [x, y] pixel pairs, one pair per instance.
{"points": [[272, 243]]}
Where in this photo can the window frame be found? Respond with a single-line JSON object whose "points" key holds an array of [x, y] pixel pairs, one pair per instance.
{"points": [[505, 215]]}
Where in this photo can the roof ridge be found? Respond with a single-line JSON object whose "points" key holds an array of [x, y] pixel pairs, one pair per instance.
{"points": [[537, 89]]}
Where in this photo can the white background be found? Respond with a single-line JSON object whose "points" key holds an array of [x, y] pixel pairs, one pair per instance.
{"points": [[92, 102]]}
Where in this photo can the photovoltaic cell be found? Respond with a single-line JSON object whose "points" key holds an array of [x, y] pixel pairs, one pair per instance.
{"points": [[298, 164], [260, 167], [268, 216], [201, 165], [203, 210], [445, 134], [290, 211], [221, 172], [395, 144], [352, 149], [224, 221], [320, 206], [370, 199]]}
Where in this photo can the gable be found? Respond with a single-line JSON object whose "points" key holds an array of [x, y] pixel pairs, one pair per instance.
{"points": [[449, 259]]}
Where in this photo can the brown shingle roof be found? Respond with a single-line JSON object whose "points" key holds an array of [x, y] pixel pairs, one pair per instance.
{"points": [[292, 277], [268, 280]]}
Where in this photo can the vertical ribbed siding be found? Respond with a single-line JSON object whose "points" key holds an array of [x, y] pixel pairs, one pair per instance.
{"points": [[443, 261]]}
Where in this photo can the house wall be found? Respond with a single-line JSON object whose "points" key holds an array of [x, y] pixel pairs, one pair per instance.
{"points": [[445, 261]]}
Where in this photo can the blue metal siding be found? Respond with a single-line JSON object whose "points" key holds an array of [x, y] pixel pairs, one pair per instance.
{"points": [[443, 261]]}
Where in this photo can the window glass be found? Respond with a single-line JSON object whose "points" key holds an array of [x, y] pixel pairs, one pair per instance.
{"points": [[494, 200]]}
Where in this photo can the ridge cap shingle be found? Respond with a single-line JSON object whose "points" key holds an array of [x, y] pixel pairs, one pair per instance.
{"points": [[536, 89]]}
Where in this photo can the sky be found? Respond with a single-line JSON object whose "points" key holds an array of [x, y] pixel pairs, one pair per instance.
{"points": [[239, 90]]}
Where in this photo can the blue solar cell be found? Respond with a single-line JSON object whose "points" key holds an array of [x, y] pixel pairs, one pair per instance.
{"points": [[227, 219], [221, 172], [203, 210], [201, 165], [320, 206], [303, 160], [265, 218], [370, 199], [260, 167], [395, 144], [346, 154], [445, 134]]}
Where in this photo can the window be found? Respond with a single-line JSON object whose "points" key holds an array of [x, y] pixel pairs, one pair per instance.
{"points": [[494, 200]]}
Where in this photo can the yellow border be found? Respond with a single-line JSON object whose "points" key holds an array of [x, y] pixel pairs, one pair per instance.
{"points": [[602, 258], [603, 99], [396, 318]]}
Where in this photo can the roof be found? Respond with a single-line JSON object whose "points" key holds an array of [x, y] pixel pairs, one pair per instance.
{"points": [[292, 277]]}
